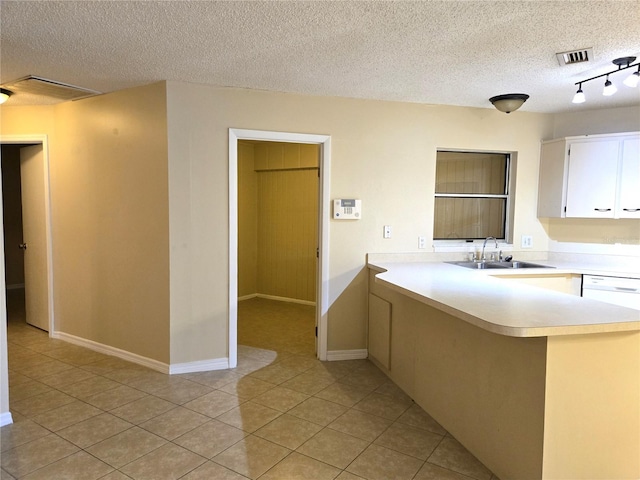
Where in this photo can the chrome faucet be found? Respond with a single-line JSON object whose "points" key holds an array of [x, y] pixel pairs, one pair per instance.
{"points": [[483, 258]]}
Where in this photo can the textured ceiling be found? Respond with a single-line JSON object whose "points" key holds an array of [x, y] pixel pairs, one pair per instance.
{"points": [[433, 52]]}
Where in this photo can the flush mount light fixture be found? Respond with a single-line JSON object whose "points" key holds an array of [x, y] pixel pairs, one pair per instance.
{"points": [[4, 95], [509, 102], [623, 63]]}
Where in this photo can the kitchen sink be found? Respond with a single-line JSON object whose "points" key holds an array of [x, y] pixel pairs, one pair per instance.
{"points": [[489, 265]]}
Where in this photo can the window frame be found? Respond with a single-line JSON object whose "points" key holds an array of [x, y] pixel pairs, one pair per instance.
{"points": [[509, 195]]}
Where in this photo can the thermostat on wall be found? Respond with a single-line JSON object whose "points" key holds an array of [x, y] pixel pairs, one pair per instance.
{"points": [[346, 209]]}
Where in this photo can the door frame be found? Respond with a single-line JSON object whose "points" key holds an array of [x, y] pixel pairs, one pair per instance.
{"points": [[322, 272], [36, 140]]}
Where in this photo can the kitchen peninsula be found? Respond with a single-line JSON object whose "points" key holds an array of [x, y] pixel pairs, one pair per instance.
{"points": [[536, 383]]}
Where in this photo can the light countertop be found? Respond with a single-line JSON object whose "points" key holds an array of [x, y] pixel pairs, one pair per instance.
{"points": [[505, 307]]}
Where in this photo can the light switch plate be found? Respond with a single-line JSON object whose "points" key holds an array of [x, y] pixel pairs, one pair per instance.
{"points": [[387, 231], [527, 241]]}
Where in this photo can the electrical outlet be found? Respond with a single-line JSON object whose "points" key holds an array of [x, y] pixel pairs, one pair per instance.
{"points": [[527, 241], [386, 233], [422, 242]]}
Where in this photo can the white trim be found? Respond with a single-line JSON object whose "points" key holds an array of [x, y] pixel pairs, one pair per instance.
{"points": [[323, 280], [247, 297], [335, 355], [277, 299], [199, 366], [113, 351], [188, 367], [324, 141], [5, 419], [41, 140], [232, 347], [14, 286]]}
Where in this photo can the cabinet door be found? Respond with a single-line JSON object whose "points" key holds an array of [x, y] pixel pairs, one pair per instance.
{"points": [[380, 330], [629, 206], [591, 186], [552, 180]]}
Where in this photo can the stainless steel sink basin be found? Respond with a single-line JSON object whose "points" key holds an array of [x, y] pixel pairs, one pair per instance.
{"points": [[523, 265], [485, 265], [478, 265]]}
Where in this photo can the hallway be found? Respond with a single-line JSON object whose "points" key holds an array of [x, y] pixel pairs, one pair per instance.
{"points": [[281, 414]]}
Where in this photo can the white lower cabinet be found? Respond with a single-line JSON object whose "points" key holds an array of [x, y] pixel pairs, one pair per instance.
{"points": [[596, 176]]}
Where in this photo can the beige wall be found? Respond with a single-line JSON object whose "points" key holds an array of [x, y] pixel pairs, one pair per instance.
{"points": [[247, 221], [109, 200], [592, 122], [288, 233], [382, 152], [27, 120], [593, 230]]}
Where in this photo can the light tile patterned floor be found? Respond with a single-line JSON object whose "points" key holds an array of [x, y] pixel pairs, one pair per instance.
{"points": [[280, 415]]}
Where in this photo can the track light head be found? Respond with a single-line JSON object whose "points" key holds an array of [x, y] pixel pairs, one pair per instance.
{"points": [[633, 80], [579, 96], [609, 88]]}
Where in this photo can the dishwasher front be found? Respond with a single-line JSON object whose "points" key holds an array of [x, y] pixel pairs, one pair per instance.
{"points": [[616, 290]]}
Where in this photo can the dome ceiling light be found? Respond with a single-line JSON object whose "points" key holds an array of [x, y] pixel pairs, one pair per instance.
{"points": [[4, 95], [623, 63], [509, 102]]}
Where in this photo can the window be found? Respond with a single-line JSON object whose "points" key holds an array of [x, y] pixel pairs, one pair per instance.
{"points": [[472, 195]]}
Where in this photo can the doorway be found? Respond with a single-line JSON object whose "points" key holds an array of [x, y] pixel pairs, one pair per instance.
{"points": [[29, 156], [321, 296], [277, 245]]}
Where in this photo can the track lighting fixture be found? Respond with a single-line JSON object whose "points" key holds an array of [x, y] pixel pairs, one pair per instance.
{"points": [[623, 63]]}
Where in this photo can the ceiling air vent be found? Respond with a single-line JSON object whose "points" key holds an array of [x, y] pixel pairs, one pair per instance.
{"points": [[575, 56], [44, 87]]}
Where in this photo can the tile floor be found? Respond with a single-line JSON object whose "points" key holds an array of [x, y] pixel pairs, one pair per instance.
{"points": [[280, 415]]}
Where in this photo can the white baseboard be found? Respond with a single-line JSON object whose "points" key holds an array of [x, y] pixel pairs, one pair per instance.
{"points": [[5, 419], [116, 352], [279, 299], [247, 297], [199, 366], [334, 355], [189, 367], [15, 286]]}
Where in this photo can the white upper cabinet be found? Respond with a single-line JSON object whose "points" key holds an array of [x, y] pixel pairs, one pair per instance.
{"points": [[595, 176], [629, 201], [592, 178]]}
